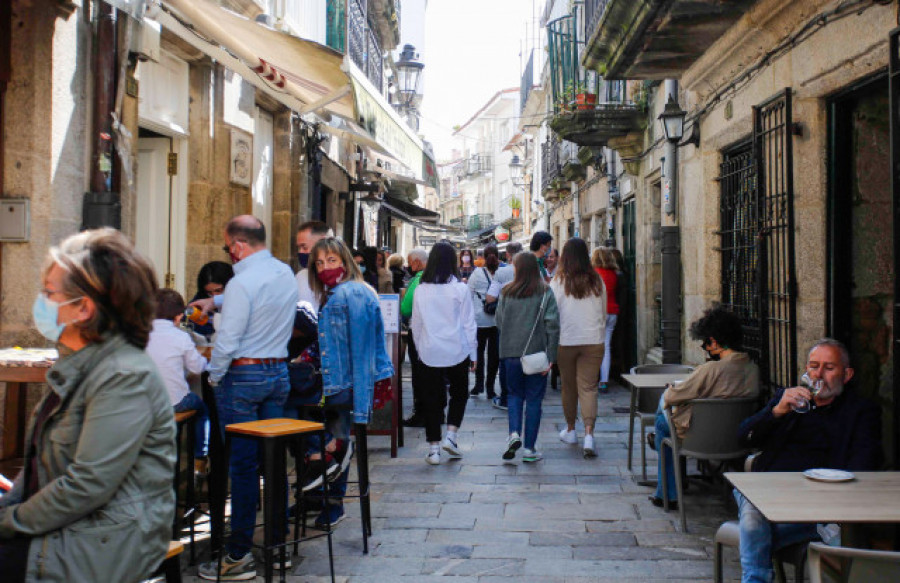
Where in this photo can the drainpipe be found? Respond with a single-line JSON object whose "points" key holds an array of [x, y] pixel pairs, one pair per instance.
{"points": [[576, 209], [102, 207], [671, 249]]}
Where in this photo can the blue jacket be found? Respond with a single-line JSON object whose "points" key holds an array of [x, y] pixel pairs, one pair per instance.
{"points": [[351, 340]]}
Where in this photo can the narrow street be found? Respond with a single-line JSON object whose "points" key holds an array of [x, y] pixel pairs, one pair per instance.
{"points": [[480, 520]]}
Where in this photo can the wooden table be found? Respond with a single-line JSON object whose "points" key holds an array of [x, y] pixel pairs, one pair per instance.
{"points": [[17, 376], [790, 497]]}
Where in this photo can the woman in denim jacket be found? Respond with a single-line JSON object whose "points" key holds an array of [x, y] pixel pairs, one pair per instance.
{"points": [[351, 344]]}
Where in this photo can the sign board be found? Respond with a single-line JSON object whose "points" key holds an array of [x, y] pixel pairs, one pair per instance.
{"points": [[390, 312], [427, 240]]}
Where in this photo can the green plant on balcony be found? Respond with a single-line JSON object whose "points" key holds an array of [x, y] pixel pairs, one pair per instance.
{"points": [[516, 205], [584, 99]]}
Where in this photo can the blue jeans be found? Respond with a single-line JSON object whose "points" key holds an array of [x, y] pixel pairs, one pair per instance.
{"points": [[611, 320], [665, 457], [760, 538], [248, 393], [193, 402], [526, 391], [504, 389]]}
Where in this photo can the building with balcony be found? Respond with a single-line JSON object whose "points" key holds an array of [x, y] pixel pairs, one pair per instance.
{"points": [[777, 203], [485, 185]]}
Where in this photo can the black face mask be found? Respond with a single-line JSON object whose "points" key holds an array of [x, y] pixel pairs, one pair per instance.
{"points": [[709, 355]]}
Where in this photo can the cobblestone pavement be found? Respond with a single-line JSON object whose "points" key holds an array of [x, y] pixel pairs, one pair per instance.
{"points": [[564, 519]]}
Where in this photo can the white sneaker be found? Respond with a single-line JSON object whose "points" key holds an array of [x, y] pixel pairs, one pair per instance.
{"points": [[531, 455], [434, 458], [450, 447], [569, 437], [589, 446]]}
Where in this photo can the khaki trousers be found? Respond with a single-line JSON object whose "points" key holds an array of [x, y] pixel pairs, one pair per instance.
{"points": [[579, 369]]}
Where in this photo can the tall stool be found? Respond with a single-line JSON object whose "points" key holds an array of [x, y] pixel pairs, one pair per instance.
{"points": [[274, 435], [360, 434], [185, 420]]}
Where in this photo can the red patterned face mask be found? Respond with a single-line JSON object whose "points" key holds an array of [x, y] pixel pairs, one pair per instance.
{"points": [[331, 277]]}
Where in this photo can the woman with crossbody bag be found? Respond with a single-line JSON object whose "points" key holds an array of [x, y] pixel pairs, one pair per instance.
{"points": [[528, 323], [479, 284]]}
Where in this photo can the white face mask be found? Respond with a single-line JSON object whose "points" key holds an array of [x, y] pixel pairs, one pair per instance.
{"points": [[466, 259]]}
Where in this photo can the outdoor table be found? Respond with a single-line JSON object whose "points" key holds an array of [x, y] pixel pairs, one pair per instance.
{"points": [[637, 382], [791, 497], [18, 368]]}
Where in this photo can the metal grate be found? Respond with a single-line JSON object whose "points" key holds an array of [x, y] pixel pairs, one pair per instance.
{"points": [[550, 165], [757, 241], [739, 229], [772, 142]]}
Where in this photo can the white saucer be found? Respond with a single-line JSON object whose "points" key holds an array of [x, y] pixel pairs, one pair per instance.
{"points": [[828, 475]]}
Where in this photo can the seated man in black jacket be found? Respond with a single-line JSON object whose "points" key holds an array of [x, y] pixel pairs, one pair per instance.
{"points": [[841, 431]]}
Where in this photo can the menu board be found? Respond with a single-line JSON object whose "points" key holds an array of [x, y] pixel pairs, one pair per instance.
{"points": [[390, 312]]}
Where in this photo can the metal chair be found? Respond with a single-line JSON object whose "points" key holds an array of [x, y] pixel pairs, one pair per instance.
{"points": [[712, 436], [644, 403], [848, 565], [729, 534]]}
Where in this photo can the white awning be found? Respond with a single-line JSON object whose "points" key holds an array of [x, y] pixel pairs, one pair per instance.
{"points": [[302, 74]]}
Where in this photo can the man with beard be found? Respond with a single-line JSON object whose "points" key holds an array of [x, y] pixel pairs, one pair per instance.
{"points": [[840, 431]]}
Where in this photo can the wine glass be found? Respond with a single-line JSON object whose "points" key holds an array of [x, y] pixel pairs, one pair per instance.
{"points": [[814, 386]]}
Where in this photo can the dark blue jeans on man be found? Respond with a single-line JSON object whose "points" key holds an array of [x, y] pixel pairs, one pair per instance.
{"points": [[525, 392], [248, 393]]}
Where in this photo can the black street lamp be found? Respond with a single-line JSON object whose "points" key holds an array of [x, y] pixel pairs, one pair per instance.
{"points": [[515, 170], [409, 70], [672, 119]]}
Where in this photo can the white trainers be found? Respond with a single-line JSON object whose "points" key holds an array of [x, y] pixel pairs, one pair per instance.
{"points": [[512, 444], [531, 455], [450, 447], [433, 458], [589, 446], [567, 436]]}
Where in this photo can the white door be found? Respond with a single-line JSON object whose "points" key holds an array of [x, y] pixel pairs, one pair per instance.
{"points": [[263, 170], [153, 233]]}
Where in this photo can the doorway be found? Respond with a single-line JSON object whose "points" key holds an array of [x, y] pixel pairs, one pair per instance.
{"points": [[628, 312], [860, 224], [161, 207]]}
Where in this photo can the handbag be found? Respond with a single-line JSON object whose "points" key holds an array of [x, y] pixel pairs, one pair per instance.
{"points": [[490, 308], [537, 362]]}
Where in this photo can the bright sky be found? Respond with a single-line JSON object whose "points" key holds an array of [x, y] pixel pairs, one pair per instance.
{"points": [[472, 51]]}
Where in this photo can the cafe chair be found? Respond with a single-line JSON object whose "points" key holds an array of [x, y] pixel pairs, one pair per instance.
{"points": [[729, 535], [644, 403], [847, 565], [170, 569], [712, 436]]}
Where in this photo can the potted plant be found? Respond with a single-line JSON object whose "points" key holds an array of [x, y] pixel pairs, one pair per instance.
{"points": [[565, 102], [516, 206], [583, 99]]}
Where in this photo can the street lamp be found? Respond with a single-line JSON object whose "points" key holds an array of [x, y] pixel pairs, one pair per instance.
{"points": [[672, 119], [515, 170], [372, 202], [409, 70]]}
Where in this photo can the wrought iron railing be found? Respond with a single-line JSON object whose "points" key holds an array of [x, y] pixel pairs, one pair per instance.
{"points": [[473, 223], [550, 161], [593, 12], [478, 164], [365, 50]]}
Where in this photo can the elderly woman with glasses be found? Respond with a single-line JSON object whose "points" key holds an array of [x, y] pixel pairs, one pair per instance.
{"points": [[94, 500]]}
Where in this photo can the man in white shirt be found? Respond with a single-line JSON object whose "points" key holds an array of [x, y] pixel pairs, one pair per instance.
{"points": [[502, 278], [308, 234]]}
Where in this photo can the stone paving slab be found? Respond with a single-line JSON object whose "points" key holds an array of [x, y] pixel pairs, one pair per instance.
{"points": [[565, 519]]}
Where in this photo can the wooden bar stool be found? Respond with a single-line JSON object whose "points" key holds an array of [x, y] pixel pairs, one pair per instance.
{"points": [[274, 435], [185, 420], [170, 568]]}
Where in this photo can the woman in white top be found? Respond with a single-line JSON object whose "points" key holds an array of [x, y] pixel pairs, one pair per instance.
{"points": [[581, 298], [443, 324]]}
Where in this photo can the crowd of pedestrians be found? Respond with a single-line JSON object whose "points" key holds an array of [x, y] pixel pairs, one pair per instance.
{"points": [[310, 345]]}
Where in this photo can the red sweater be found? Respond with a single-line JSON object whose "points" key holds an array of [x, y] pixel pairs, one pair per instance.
{"points": [[609, 280]]}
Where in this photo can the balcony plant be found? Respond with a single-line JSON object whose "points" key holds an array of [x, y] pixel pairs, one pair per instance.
{"points": [[516, 205], [584, 100]]}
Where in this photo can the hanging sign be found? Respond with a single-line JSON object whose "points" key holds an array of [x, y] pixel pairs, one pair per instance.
{"points": [[501, 234]]}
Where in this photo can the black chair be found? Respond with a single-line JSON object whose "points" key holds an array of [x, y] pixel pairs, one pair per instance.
{"points": [[184, 423]]}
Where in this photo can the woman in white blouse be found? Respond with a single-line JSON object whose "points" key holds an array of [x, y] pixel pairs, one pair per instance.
{"points": [[443, 324], [581, 299]]}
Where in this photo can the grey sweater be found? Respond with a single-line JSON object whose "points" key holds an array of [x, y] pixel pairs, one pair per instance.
{"points": [[515, 317]]}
